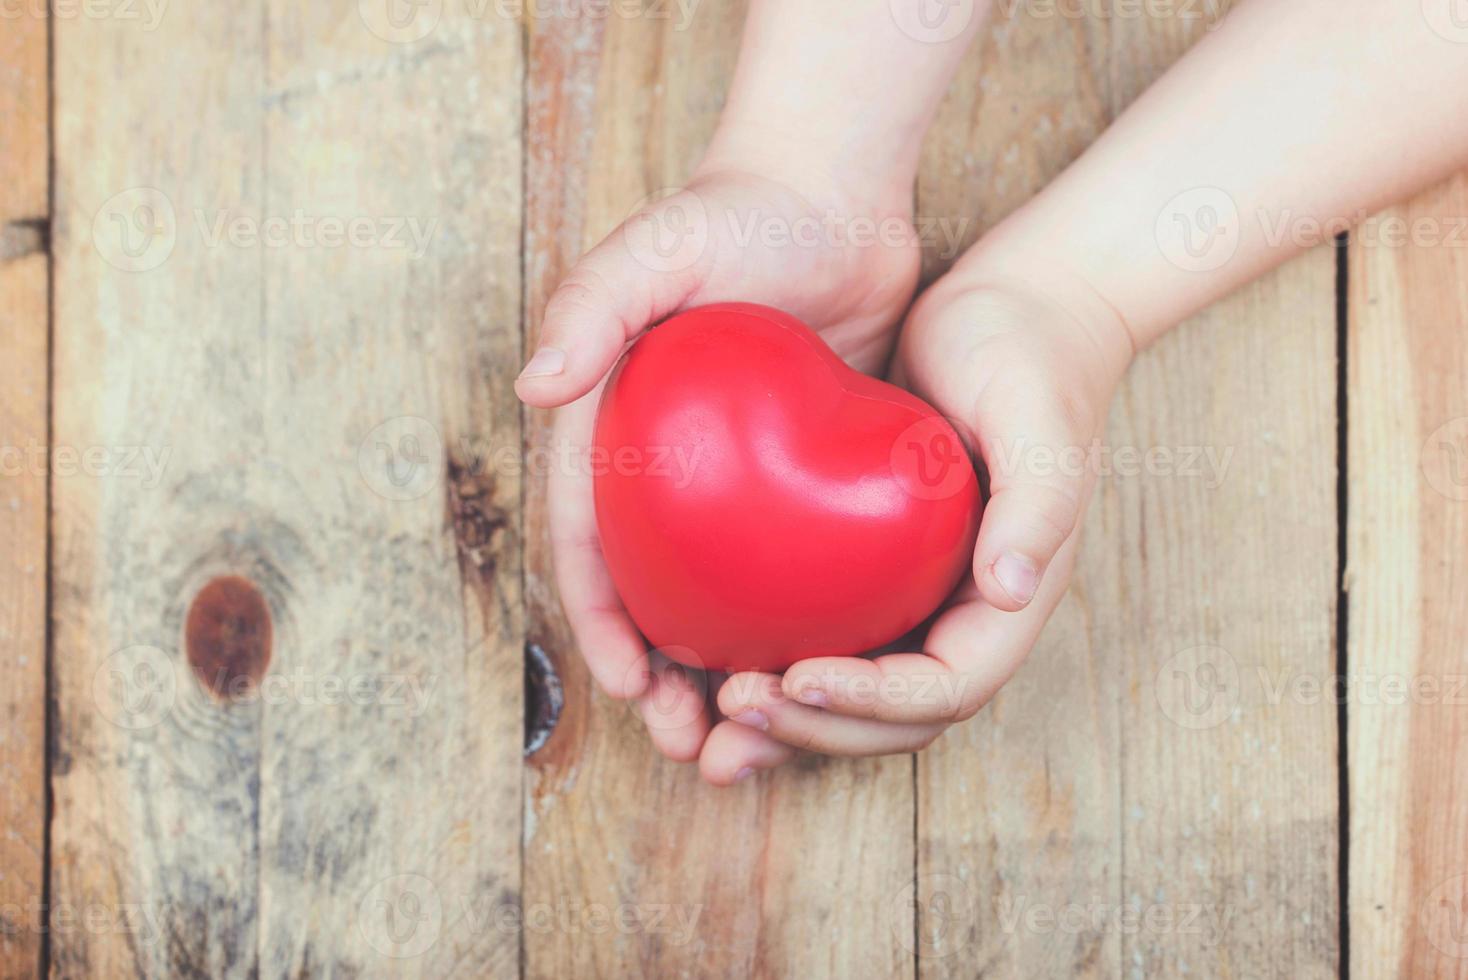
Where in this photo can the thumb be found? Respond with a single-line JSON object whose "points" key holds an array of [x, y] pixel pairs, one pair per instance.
{"points": [[638, 274], [1039, 483]]}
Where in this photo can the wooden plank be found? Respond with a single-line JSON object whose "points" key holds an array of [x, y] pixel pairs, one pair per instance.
{"points": [[319, 345], [802, 872], [388, 349], [24, 382], [1087, 824], [158, 351], [1407, 530]]}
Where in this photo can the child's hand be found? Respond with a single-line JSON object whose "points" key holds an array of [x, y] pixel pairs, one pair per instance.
{"points": [[724, 238], [1025, 373]]}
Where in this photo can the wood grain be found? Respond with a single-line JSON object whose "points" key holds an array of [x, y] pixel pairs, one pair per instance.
{"points": [[1407, 521], [24, 408], [309, 343], [755, 880], [1101, 818]]}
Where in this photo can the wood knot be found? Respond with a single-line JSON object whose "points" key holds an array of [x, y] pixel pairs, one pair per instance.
{"points": [[227, 634], [476, 517]]}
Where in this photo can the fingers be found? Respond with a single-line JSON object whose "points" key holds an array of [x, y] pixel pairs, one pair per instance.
{"points": [[906, 688], [1034, 439], [733, 753], [757, 702], [973, 651], [675, 711], [610, 643], [613, 293]]}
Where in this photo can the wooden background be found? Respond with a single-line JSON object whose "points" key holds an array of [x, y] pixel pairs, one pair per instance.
{"points": [[1171, 786]]}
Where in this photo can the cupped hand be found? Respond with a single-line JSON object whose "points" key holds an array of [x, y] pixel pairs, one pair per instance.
{"points": [[1025, 373], [843, 260]]}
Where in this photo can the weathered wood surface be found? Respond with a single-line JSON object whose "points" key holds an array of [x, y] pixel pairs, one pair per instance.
{"points": [[24, 465], [292, 273], [798, 873], [1407, 521], [1154, 795], [1104, 817]]}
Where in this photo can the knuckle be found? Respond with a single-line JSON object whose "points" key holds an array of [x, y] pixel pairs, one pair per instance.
{"points": [[579, 293]]}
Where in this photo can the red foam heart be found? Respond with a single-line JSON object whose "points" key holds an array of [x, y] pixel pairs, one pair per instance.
{"points": [[760, 502]]}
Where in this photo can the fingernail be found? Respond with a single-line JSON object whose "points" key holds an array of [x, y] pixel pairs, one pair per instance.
{"points": [[743, 774], [813, 696], [1018, 575], [546, 362], [752, 718]]}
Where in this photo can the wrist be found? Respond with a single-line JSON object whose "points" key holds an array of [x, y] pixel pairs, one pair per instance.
{"points": [[1100, 324], [816, 168]]}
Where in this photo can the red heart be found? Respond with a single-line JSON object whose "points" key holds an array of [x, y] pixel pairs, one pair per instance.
{"points": [[760, 502]]}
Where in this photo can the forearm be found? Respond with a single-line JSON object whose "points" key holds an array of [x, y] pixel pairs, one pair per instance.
{"points": [[840, 89], [1288, 122]]}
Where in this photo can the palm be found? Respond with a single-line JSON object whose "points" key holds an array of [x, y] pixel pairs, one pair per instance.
{"points": [[741, 249]]}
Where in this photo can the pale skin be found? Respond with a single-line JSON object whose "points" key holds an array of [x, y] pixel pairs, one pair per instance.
{"points": [[1288, 113]]}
